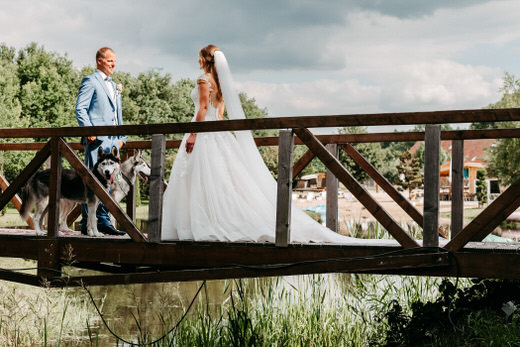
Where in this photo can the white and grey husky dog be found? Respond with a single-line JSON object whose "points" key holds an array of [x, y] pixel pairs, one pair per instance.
{"points": [[73, 188], [133, 167]]}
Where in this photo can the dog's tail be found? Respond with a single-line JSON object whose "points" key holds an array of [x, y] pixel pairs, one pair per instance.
{"points": [[27, 199]]}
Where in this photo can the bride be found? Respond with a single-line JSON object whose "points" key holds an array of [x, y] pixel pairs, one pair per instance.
{"points": [[219, 187]]}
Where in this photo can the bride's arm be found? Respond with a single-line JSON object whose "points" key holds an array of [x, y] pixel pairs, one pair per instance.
{"points": [[201, 114], [221, 110]]}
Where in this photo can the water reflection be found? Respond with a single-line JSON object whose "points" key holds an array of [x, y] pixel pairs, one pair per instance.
{"points": [[151, 309]]}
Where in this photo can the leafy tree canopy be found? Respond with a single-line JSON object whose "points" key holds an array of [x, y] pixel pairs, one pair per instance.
{"points": [[504, 157]]}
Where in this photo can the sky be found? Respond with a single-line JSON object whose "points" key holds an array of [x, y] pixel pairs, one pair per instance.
{"points": [[296, 57]]}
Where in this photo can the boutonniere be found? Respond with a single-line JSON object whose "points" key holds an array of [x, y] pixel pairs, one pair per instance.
{"points": [[119, 88]]}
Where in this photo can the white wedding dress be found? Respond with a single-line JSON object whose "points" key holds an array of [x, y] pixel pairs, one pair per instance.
{"points": [[222, 191]]}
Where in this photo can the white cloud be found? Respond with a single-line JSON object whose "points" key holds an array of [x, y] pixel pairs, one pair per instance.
{"points": [[320, 97], [403, 64], [293, 57], [448, 84]]}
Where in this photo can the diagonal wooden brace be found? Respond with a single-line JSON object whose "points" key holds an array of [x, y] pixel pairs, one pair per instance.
{"points": [[384, 184], [489, 218], [355, 188], [26, 173], [17, 202], [302, 163]]}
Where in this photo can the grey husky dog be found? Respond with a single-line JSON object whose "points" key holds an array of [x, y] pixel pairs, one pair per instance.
{"points": [[133, 167], [73, 188]]}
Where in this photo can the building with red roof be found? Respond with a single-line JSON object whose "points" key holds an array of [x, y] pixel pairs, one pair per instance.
{"points": [[475, 157]]}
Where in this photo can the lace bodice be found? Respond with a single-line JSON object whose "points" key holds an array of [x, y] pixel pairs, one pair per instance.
{"points": [[212, 113]]}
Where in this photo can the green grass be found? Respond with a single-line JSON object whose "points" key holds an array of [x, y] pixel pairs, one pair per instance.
{"points": [[34, 316], [469, 214], [11, 218]]}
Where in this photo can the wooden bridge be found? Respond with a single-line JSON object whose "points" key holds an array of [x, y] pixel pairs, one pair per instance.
{"points": [[144, 258]]}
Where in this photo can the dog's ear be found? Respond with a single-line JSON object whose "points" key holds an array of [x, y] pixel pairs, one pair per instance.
{"points": [[138, 154], [100, 151], [115, 152]]}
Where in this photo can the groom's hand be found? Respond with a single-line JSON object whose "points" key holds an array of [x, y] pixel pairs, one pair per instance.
{"points": [[91, 139]]}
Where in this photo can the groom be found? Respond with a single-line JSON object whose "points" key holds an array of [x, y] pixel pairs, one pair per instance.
{"points": [[99, 103]]}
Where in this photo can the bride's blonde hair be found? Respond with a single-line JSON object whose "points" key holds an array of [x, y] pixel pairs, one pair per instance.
{"points": [[208, 64]]}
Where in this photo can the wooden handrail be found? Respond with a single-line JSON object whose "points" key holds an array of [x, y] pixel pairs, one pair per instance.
{"points": [[393, 119], [325, 139]]}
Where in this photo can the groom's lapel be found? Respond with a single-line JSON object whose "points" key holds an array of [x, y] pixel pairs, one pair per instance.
{"points": [[105, 88]]}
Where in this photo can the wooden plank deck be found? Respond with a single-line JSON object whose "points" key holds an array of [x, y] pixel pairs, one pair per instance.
{"points": [[125, 261]]}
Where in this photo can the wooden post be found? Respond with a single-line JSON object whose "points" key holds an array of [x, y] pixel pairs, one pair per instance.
{"points": [[457, 186], [432, 147], [284, 196], [53, 217], [156, 188], [48, 251], [332, 193], [130, 202]]}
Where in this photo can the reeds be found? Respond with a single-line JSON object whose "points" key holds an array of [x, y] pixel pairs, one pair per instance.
{"points": [[318, 310], [34, 316]]}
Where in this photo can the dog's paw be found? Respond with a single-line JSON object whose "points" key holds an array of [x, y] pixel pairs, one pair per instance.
{"points": [[94, 233], [41, 232], [67, 230]]}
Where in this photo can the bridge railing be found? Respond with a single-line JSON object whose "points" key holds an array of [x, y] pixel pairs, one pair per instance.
{"points": [[324, 147]]}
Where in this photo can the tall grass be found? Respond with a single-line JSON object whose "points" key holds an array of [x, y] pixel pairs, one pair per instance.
{"points": [[318, 310], [33, 316]]}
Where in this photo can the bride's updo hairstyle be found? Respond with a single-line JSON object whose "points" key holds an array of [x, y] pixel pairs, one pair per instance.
{"points": [[207, 54]]}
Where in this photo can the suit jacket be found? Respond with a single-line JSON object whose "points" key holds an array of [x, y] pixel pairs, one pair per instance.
{"points": [[96, 107]]}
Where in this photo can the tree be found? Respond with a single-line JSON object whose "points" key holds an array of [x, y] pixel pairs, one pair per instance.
{"points": [[504, 157], [11, 162], [48, 87], [419, 154], [372, 152], [422, 127], [481, 187], [510, 98], [409, 172]]}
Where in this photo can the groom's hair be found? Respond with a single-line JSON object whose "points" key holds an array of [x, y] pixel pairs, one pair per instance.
{"points": [[101, 52]]}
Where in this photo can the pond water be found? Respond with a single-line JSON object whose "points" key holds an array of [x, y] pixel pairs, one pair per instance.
{"points": [[131, 309]]}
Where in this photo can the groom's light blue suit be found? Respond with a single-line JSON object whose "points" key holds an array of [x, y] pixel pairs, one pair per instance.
{"points": [[96, 106]]}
